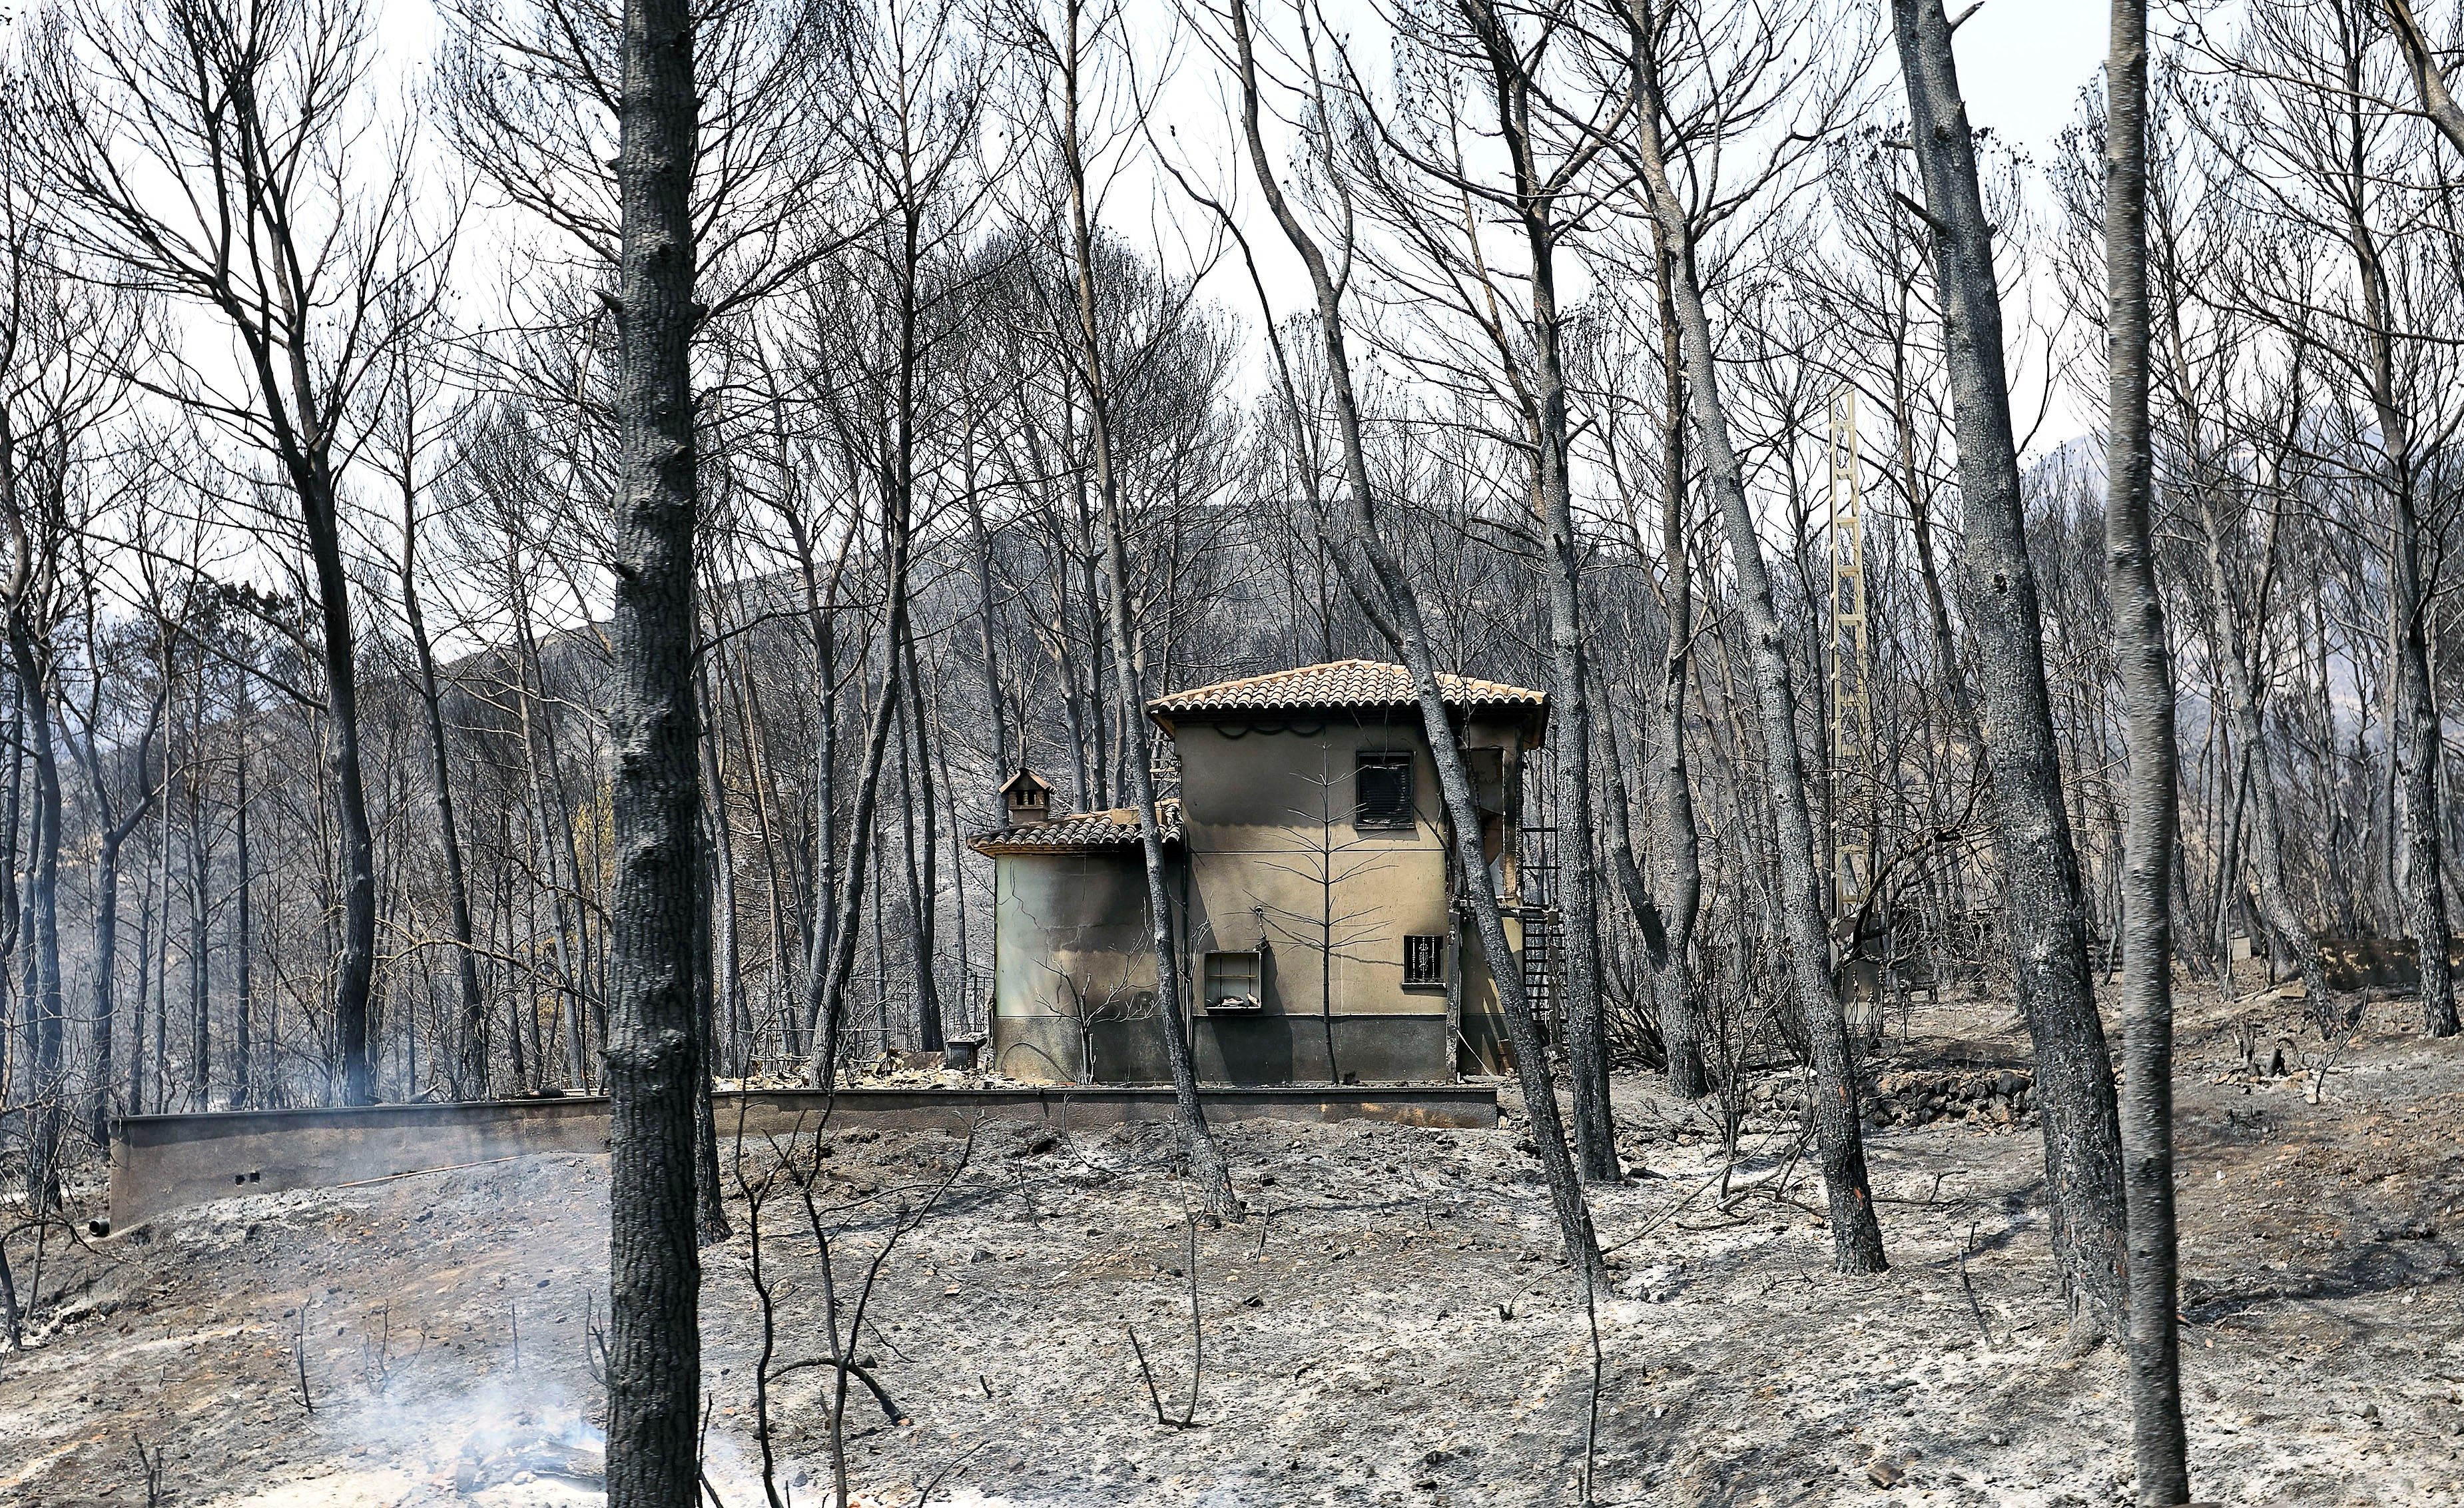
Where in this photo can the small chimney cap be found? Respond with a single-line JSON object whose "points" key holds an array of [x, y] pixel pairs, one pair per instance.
{"points": [[1026, 795]]}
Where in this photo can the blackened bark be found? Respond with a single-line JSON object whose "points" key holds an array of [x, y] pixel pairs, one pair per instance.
{"points": [[162, 951], [821, 913], [516, 1000], [2146, 664], [145, 975], [533, 714], [1587, 1052], [653, 1356], [1205, 1161], [201, 1060], [355, 963], [1672, 787], [557, 816], [470, 1060], [2420, 748], [923, 842], [1638, 904], [114, 827], [726, 1009], [2413, 772], [2043, 907], [1570, 712], [709, 1204], [2266, 848], [48, 1009], [1856, 1235], [243, 981], [826, 994], [106, 959], [12, 929], [1376, 581]]}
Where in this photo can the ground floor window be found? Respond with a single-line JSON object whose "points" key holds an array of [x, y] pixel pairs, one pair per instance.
{"points": [[1425, 959], [1231, 982]]}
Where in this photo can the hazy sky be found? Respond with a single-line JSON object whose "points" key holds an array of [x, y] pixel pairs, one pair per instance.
{"points": [[2022, 64]]}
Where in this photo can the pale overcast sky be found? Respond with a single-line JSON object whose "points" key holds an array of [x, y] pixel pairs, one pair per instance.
{"points": [[2022, 65], [2023, 62]]}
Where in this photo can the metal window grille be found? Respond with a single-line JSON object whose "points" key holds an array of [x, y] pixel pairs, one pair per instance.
{"points": [[1425, 959]]}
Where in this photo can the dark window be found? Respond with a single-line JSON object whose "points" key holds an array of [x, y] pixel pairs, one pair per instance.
{"points": [[1383, 790], [1232, 982], [1425, 961]]}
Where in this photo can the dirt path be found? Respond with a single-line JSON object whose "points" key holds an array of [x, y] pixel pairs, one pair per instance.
{"points": [[1388, 1327]]}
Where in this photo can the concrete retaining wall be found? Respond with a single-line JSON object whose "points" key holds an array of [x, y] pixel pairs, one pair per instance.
{"points": [[164, 1162]]}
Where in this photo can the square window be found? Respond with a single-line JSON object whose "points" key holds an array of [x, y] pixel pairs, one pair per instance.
{"points": [[1382, 789], [1231, 982], [1425, 959]]}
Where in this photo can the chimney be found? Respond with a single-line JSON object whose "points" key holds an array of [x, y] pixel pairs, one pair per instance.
{"points": [[1027, 801]]}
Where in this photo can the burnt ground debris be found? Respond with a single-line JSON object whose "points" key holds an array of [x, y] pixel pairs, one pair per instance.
{"points": [[1389, 1325]]}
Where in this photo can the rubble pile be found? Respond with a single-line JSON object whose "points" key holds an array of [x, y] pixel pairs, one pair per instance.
{"points": [[1996, 1097]]}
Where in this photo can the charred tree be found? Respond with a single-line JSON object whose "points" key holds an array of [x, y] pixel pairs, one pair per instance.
{"points": [[654, 1352], [2153, 1339], [46, 1007], [1206, 1161], [1855, 1233], [470, 1058], [1376, 581], [2042, 904], [1672, 787], [1538, 198]]}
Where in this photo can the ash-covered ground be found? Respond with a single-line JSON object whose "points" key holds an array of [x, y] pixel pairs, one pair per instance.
{"points": [[1389, 1325]]}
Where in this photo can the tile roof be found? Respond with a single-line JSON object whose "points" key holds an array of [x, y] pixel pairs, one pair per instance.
{"points": [[1343, 683], [1079, 833]]}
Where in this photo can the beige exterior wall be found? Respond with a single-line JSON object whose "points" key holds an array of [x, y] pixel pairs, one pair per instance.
{"points": [[1271, 862], [1277, 866], [1073, 960]]}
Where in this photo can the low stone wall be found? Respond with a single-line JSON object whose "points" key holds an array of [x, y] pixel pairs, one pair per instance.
{"points": [[165, 1163], [2357, 963]]}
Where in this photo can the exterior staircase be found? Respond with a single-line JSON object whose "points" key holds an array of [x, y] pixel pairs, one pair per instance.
{"points": [[1544, 929]]}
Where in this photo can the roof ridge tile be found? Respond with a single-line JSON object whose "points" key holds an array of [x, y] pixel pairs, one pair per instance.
{"points": [[1353, 682]]}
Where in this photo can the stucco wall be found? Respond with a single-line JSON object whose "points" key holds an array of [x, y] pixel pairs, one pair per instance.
{"points": [[1277, 865], [1075, 978], [1270, 862]]}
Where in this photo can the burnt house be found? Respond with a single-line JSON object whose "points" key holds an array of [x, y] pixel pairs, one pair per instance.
{"points": [[1312, 885]]}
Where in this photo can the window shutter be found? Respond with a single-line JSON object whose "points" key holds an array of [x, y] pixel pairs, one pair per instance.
{"points": [[1383, 790]]}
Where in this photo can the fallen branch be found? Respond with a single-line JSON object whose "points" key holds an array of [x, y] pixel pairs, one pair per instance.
{"points": [[1154, 1395], [853, 1368], [925, 1496], [1973, 1307], [300, 1354]]}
